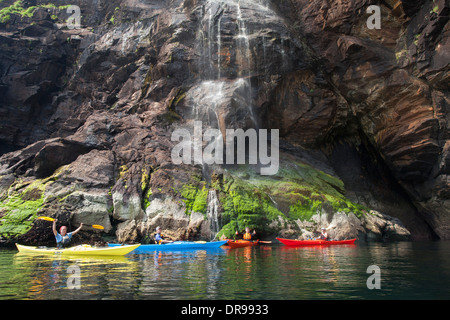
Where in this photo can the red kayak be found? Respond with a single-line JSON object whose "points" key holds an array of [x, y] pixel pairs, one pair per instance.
{"points": [[242, 243], [298, 243]]}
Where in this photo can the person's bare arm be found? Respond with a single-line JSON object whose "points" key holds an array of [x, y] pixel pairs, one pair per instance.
{"points": [[79, 228], [54, 227]]}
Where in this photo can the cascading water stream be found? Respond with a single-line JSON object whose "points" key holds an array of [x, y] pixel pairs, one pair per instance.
{"points": [[225, 50], [212, 213], [243, 45]]}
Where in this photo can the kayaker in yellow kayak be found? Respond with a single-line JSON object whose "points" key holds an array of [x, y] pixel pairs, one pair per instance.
{"points": [[63, 238]]}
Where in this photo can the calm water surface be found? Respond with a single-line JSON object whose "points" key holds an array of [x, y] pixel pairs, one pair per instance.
{"points": [[408, 271]]}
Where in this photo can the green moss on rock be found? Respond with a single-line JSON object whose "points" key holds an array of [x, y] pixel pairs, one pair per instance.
{"points": [[20, 208], [195, 198], [244, 205]]}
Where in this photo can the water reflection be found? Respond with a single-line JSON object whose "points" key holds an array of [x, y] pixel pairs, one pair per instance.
{"points": [[170, 275], [46, 276], [408, 271]]}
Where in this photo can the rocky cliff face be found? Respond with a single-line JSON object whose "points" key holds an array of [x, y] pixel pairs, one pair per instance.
{"points": [[87, 117]]}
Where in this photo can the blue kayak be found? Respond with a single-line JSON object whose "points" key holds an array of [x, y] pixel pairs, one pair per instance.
{"points": [[175, 246]]}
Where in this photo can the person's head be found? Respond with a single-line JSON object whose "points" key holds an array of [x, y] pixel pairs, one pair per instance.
{"points": [[247, 230], [158, 229], [63, 230], [323, 229]]}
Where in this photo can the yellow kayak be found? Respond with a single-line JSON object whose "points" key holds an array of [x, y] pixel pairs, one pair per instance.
{"points": [[81, 250]]}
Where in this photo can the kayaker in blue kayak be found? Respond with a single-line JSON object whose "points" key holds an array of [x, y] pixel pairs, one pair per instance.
{"points": [[159, 238], [63, 238]]}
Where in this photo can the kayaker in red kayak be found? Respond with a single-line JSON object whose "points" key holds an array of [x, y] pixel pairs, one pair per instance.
{"points": [[323, 234]]}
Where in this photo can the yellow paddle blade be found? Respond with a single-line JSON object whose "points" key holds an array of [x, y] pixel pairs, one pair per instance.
{"points": [[95, 226], [46, 218]]}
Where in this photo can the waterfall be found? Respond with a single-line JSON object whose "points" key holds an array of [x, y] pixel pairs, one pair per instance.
{"points": [[209, 39], [223, 32], [212, 213], [273, 201], [244, 60], [243, 44], [208, 95], [226, 41], [219, 48]]}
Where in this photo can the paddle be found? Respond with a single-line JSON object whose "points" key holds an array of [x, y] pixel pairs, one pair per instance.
{"points": [[95, 226]]}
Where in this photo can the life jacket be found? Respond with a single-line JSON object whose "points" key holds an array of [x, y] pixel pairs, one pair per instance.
{"points": [[65, 242], [324, 236], [247, 236], [156, 241]]}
